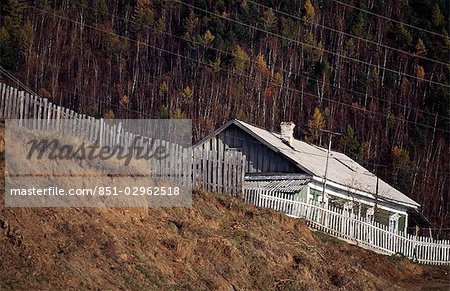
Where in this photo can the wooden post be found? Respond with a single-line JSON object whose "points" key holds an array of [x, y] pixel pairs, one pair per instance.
{"points": [[26, 110], [2, 98], [35, 111], [14, 104], [204, 168], [39, 113], [44, 114], [5, 112], [21, 115], [100, 132]]}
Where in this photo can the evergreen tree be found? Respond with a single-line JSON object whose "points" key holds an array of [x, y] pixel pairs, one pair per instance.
{"points": [[186, 94], [270, 19], [143, 15], [421, 50], [315, 124], [349, 143], [261, 65], [241, 59], [402, 167], [14, 40], [208, 37], [102, 10], [310, 12], [162, 112], [438, 19]]}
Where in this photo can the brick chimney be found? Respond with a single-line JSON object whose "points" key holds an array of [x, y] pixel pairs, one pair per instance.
{"points": [[287, 132]]}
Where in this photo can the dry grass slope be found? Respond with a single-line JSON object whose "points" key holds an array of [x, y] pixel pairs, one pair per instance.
{"points": [[219, 243]]}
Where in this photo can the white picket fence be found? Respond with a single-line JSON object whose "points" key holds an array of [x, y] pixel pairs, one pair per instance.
{"points": [[210, 170], [337, 223], [219, 172]]}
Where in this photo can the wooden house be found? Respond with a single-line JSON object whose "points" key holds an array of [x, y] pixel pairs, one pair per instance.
{"points": [[278, 161]]}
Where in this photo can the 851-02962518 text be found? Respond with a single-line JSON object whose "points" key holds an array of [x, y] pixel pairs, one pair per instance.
{"points": [[136, 191], [98, 190]]}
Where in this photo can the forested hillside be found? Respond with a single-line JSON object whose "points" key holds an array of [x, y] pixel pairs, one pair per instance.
{"points": [[376, 71]]}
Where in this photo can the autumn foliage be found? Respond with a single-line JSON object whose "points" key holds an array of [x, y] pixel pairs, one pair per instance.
{"points": [[382, 84]]}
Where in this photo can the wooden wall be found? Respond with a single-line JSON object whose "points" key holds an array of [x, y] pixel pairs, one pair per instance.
{"points": [[259, 158]]}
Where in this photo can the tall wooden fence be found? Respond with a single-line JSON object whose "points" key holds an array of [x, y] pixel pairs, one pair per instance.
{"points": [[210, 170], [337, 223], [221, 172]]}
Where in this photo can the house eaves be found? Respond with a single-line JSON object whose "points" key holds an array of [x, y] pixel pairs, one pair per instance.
{"points": [[311, 159]]}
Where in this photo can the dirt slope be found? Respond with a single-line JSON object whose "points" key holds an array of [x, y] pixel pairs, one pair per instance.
{"points": [[219, 243]]}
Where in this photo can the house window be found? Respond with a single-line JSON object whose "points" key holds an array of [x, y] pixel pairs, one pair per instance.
{"points": [[316, 195], [369, 214], [393, 223], [348, 208]]}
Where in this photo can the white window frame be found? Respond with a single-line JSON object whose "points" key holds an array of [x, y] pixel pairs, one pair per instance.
{"points": [[348, 208], [370, 214], [393, 222]]}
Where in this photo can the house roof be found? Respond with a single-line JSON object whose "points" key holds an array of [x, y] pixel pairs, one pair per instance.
{"points": [[285, 186], [342, 170], [281, 182]]}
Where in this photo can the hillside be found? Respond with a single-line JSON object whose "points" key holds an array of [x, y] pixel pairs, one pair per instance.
{"points": [[375, 71], [218, 243]]}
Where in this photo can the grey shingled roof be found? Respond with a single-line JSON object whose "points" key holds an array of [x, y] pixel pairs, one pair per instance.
{"points": [[312, 159], [285, 186]]}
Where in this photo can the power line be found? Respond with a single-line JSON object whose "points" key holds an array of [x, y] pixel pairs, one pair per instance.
{"points": [[308, 45], [348, 34], [203, 62], [110, 104], [238, 74], [390, 19], [324, 154], [30, 91], [279, 69], [13, 78]]}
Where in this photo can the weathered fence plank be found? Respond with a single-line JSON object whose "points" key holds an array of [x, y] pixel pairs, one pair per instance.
{"points": [[223, 171]]}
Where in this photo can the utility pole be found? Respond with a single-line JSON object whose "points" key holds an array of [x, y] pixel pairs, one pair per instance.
{"points": [[330, 133], [375, 208]]}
